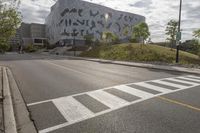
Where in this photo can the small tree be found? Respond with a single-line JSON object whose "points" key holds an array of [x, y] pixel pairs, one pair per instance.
{"points": [[196, 33], [10, 19], [171, 30], [110, 37], [89, 39], [126, 32], [141, 31]]}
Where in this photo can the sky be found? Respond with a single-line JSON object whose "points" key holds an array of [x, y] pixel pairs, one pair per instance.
{"points": [[157, 13]]}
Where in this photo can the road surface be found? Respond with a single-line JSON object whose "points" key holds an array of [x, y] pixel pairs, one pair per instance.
{"points": [[66, 95]]}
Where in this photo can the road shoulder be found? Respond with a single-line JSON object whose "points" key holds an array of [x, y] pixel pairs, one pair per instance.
{"points": [[16, 115]]}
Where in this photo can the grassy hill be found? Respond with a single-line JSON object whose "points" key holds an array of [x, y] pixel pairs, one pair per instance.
{"points": [[141, 53]]}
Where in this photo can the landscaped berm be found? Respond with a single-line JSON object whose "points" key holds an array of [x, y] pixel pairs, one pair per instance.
{"points": [[141, 53]]}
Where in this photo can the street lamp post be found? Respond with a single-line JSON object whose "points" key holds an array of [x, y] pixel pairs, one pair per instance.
{"points": [[105, 28], [179, 32], [74, 44]]}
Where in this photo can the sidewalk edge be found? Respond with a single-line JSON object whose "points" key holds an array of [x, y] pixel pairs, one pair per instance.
{"points": [[24, 123], [143, 65], [8, 110]]}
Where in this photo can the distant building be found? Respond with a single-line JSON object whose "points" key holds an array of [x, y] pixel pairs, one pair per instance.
{"points": [[82, 18], [76, 17], [29, 34]]}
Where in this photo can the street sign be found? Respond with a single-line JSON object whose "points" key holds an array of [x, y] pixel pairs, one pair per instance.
{"points": [[178, 36]]}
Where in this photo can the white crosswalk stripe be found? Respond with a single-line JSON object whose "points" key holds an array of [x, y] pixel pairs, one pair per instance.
{"points": [[134, 91], [74, 111], [194, 77], [170, 84], [71, 109], [153, 87], [181, 81], [107, 99], [187, 78]]}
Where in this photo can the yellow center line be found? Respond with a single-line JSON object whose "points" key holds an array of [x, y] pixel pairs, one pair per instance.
{"points": [[179, 103]]}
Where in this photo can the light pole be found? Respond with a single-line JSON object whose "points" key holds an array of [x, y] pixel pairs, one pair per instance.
{"points": [[74, 44], [179, 34], [105, 29]]}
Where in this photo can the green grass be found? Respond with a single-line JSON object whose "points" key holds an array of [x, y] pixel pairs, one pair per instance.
{"points": [[141, 53]]}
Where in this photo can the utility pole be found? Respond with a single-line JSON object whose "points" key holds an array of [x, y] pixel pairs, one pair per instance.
{"points": [[74, 44], [179, 34]]}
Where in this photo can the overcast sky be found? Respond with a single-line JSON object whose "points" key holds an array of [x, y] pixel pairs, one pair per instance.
{"points": [[157, 13]]}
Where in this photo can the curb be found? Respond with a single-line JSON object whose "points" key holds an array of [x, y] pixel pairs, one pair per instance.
{"points": [[9, 118], [23, 119], [1, 102], [195, 71], [15, 112], [143, 65]]}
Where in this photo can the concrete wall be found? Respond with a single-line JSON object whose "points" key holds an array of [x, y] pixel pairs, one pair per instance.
{"points": [[86, 18]]}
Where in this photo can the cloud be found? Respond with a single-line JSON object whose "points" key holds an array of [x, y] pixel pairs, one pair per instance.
{"points": [[157, 13]]}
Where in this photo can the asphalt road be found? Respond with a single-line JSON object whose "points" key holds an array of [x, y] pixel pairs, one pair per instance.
{"points": [[61, 95]]}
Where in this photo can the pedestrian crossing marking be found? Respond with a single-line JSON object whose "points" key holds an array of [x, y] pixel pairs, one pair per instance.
{"points": [[153, 87], [187, 78], [170, 84], [181, 81], [73, 111], [134, 91], [194, 77], [108, 99]]}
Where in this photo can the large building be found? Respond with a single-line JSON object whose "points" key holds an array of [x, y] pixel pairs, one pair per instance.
{"points": [[82, 18], [32, 33], [29, 34]]}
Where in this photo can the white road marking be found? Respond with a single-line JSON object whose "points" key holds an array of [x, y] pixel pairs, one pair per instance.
{"points": [[170, 84], [181, 81], [107, 99], [134, 91], [194, 77], [153, 87], [74, 112], [187, 78], [71, 109]]}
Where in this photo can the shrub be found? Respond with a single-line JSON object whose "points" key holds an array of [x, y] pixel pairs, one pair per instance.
{"points": [[4, 47], [30, 48]]}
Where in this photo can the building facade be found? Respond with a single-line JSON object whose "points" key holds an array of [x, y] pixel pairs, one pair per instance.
{"points": [[76, 17], [29, 34]]}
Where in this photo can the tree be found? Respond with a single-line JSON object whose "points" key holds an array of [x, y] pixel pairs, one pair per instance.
{"points": [[89, 39], [141, 31], [196, 33], [110, 37], [10, 20], [191, 46], [126, 31], [171, 30]]}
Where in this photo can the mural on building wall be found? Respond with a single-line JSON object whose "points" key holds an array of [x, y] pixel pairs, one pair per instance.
{"points": [[96, 20], [90, 21]]}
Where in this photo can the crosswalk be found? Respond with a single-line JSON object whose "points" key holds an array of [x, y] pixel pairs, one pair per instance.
{"points": [[74, 109]]}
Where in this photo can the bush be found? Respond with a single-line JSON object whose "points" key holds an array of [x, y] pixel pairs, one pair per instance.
{"points": [[138, 53], [4, 47], [30, 48], [133, 40]]}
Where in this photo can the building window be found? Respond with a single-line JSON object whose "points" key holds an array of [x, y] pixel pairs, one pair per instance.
{"points": [[37, 40]]}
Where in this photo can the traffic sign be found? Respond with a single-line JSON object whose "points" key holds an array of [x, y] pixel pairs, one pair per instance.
{"points": [[178, 36]]}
